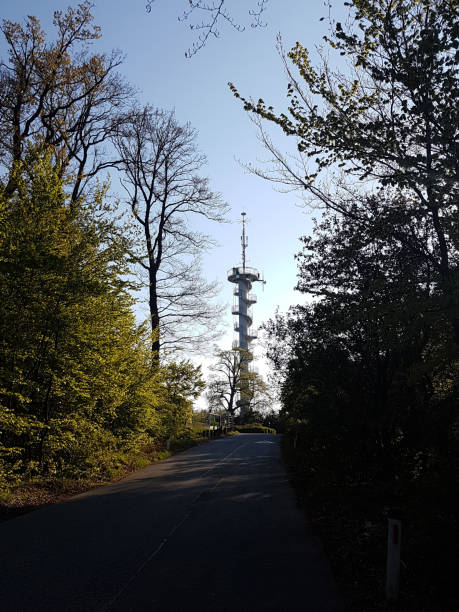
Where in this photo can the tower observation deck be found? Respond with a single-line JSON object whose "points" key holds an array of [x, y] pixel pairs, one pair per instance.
{"points": [[243, 277]]}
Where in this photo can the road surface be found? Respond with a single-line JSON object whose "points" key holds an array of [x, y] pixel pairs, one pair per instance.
{"points": [[213, 529]]}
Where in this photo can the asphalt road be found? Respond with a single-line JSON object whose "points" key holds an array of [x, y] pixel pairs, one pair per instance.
{"points": [[213, 529]]}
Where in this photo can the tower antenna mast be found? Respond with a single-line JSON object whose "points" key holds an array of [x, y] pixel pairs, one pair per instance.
{"points": [[244, 240]]}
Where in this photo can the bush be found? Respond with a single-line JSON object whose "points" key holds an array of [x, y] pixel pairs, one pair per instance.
{"points": [[255, 428]]}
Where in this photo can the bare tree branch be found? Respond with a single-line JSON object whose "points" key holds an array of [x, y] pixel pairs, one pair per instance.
{"points": [[213, 13], [160, 165]]}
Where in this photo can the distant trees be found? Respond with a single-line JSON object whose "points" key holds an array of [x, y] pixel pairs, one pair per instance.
{"points": [[184, 385], [230, 376], [223, 386], [160, 162]]}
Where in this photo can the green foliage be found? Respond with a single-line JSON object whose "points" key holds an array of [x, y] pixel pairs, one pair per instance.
{"points": [[255, 428], [75, 380], [374, 119], [183, 384], [391, 117], [369, 370], [80, 394]]}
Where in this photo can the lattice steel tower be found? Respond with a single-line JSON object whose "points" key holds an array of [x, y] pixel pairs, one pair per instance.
{"points": [[243, 277]]}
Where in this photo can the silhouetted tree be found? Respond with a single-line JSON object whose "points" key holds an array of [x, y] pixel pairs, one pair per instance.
{"points": [[159, 165], [368, 369], [391, 119], [229, 376]]}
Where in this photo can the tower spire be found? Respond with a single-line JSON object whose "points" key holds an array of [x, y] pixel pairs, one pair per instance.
{"points": [[244, 239]]}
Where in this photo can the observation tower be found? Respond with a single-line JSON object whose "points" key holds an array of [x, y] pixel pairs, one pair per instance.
{"points": [[243, 277]]}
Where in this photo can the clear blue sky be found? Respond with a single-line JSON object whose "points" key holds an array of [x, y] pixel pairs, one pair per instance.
{"points": [[154, 45]]}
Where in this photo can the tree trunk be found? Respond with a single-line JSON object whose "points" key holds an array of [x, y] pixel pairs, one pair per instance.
{"points": [[154, 317]]}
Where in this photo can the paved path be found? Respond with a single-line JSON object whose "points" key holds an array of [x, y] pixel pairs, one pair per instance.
{"points": [[214, 529]]}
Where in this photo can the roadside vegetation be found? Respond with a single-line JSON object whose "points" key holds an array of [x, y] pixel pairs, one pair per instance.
{"points": [[87, 393], [254, 428], [369, 366]]}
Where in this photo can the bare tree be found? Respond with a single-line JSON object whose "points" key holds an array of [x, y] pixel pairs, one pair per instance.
{"points": [[223, 386], [59, 94], [230, 377], [159, 169], [212, 14]]}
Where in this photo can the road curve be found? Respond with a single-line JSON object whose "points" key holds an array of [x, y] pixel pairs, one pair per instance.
{"points": [[213, 529]]}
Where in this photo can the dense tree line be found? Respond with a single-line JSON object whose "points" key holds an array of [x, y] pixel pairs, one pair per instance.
{"points": [[84, 387], [370, 369], [79, 390], [370, 365]]}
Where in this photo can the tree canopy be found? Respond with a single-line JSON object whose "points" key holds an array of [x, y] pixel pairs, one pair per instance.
{"points": [[81, 393], [390, 119], [60, 94], [369, 366], [75, 373]]}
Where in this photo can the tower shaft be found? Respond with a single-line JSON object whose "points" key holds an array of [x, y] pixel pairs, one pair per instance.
{"points": [[243, 277]]}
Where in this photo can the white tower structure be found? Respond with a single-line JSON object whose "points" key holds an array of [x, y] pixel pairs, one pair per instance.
{"points": [[243, 277]]}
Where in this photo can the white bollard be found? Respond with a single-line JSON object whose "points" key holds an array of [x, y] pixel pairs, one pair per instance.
{"points": [[394, 536]]}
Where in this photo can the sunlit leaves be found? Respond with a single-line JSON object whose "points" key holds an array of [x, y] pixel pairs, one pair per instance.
{"points": [[76, 370]]}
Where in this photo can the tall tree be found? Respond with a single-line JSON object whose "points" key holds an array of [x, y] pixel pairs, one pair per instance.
{"points": [[159, 166], [75, 374], [368, 368], [392, 117], [60, 94]]}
